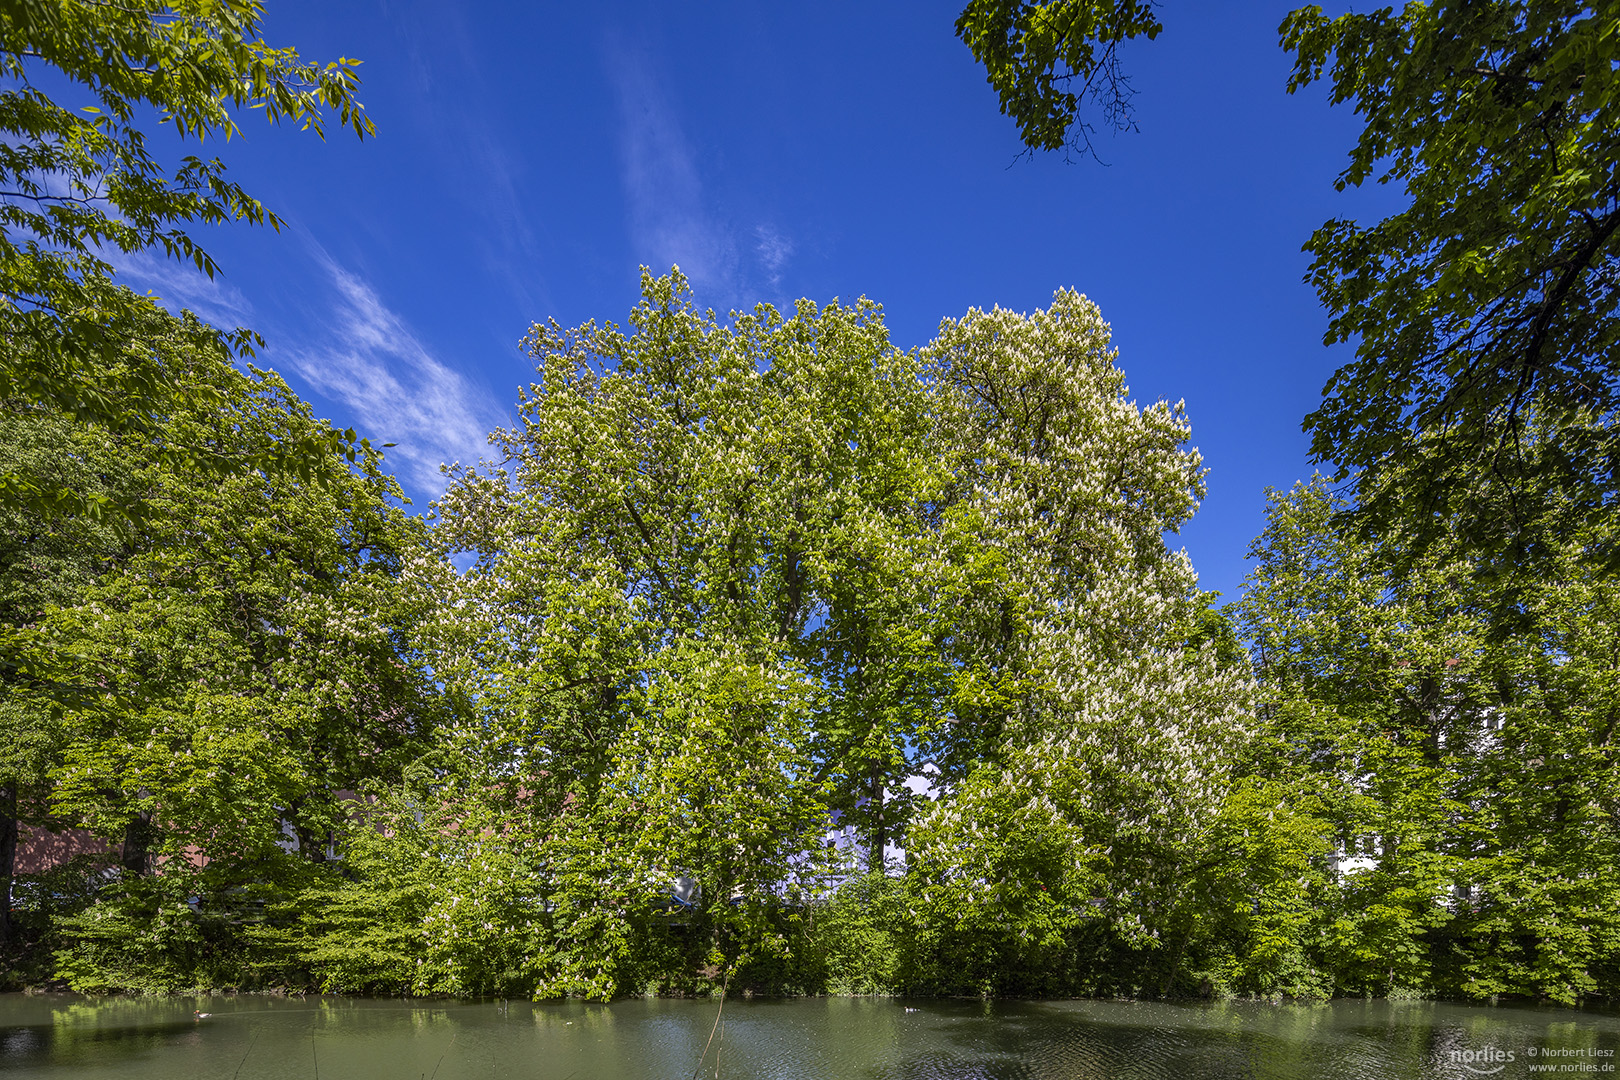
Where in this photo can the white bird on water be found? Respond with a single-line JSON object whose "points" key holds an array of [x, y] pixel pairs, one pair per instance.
{"points": [[200, 1015]]}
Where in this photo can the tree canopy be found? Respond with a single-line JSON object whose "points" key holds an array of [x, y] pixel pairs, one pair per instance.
{"points": [[81, 179], [202, 686], [744, 590], [768, 654], [1483, 315], [1454, 733], [1044, 60], [781, 658]]}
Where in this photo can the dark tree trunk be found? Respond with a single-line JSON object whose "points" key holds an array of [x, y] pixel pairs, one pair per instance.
{"points": [[313, 845], [880, 827], [8, 856], [136, 856]]}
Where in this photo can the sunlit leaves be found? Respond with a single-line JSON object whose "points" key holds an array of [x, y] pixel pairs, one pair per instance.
{"points": [[1455, 729], [741, 582], [239, 659], [81, 181], [1097, 760], [1484, 313], [1045, 59]]}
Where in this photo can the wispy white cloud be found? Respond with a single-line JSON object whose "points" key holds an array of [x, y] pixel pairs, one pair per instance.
{"points": [[669, 224], [371, 362], [180, 285], [671, 219], [359, 353], [482, 164], [773, 250]]}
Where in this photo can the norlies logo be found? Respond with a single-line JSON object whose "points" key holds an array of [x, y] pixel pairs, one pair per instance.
{"points": [[1484, 1061]]}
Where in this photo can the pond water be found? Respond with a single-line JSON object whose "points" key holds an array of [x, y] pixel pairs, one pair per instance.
{"points": [[257, 1038]]}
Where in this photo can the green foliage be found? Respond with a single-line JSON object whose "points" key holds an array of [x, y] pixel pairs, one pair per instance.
{"points": [[745, 584], [693, 628], [1451, 729], [1258, 894], [237, 664], [81, 180], [861, 935], [743, 580], [199, 687], [153, 935], [44, 562], [39, 905], [1484, 313], [436, 898], [1086, 793], [1044, 59], [739, 584]]}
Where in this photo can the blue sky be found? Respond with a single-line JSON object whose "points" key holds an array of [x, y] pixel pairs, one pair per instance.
{"points": [[530, 158]]}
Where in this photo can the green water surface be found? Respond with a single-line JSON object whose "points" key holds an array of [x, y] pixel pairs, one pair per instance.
{"points": [[259, 1038]]}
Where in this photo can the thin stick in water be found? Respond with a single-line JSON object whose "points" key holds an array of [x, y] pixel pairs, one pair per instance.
{"points": [[447, 1047], [243, 1062], [717, 1014]]}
